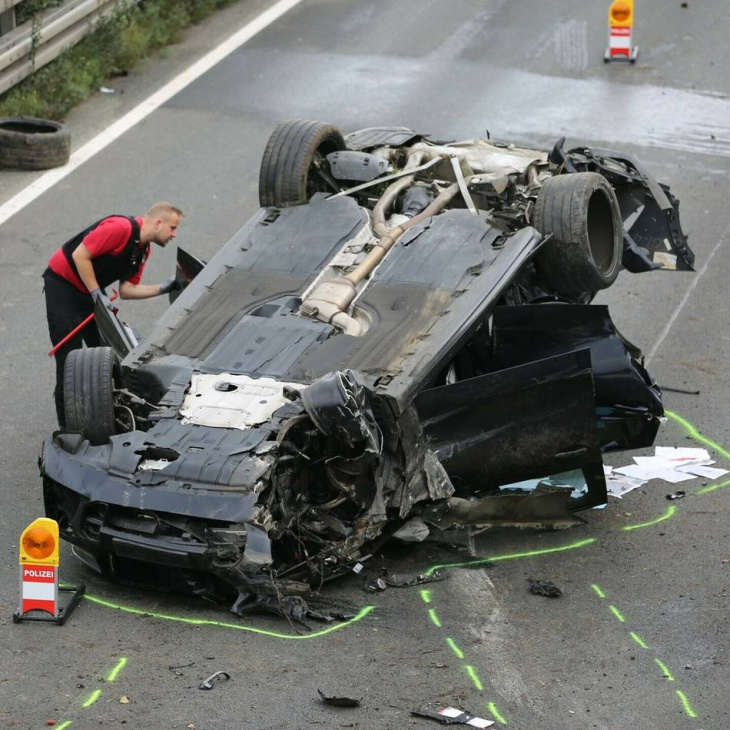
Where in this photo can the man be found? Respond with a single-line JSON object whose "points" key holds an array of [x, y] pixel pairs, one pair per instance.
{"points": [[116, 248]]}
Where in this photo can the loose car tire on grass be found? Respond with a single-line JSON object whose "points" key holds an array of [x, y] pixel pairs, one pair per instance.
{"points": [[581, 211], [288, 175], [33, 144], [88, 392]]}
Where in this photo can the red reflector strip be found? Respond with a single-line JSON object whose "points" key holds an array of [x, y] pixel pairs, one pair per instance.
{"points": [[36, 605]]}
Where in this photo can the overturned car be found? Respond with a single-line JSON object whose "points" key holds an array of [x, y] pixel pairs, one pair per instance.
{"points": [[398, 339]]}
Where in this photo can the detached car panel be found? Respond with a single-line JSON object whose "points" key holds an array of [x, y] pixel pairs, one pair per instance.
{"points": [[402, 332]]}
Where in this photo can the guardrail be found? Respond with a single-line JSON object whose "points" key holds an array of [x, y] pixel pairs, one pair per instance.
{"points": [[32, 45]]}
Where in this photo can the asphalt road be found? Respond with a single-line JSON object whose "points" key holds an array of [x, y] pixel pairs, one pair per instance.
{"points": [[639, 639]]}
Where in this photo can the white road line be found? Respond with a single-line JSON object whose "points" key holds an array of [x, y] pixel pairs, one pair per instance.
{"points": [[144, 109], [678, 309]]}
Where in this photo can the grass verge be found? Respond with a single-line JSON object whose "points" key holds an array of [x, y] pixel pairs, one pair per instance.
{"points": [[119, 42]]}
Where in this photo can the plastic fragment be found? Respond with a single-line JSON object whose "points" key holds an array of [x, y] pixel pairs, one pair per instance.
{"points": [[339, 701], [453, 716], [544, 588], [208, 683]]}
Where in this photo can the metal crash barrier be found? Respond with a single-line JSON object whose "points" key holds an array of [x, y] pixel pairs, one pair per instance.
{"points": [[30, 46]]}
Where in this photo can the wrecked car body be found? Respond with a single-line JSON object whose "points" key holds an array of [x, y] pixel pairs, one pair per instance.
{"points": [[402, 332]]}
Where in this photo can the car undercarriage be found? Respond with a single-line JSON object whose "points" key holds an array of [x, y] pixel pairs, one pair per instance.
{"points": [[398, 339]]}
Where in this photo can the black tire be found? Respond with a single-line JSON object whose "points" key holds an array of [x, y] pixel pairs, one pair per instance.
{"points": [[581, 212], [33, 144], [88, 392], [288, 176]]}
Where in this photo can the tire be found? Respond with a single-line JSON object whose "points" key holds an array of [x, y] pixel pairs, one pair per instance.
{"points": [[33, 144], [581, 212], [287, 176], [88, 392]]}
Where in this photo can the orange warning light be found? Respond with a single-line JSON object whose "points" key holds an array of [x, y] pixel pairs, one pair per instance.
{"points": [[621, 13], [39, 542]]}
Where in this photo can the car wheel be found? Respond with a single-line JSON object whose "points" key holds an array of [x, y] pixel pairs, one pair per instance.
{"points": [[33, 144], [581, 212], [88, 392], [292, 162]]}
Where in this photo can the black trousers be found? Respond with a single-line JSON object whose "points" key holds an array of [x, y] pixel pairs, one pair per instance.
{"points": [[66, 308]]}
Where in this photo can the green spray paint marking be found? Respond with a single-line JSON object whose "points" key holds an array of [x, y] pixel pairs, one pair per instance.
{"points": [[495, 713], [617, 614], [513, 556], [224, 625], [93, 697], [426, 595], [685, 703], [669, 513], [689, 710], [665, 670], [434, 617], [696, 435], [713, 487], [452, 645], [115, 672], [64, 725], [474, 677]]}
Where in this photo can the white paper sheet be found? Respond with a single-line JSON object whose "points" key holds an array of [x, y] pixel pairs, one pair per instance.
{"points": [[638, 471], [682, 454], [617, 484], [704, 471]]}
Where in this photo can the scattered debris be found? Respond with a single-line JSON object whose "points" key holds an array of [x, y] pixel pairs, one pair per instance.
{"points": [[378, 583], [107, 90], [373, 584], [415, 530], [452, 716], [667, 389], [544, 588], [124, 700], [676, 495], [173, 667], [669, 463], [339, 701], [208, 683]]}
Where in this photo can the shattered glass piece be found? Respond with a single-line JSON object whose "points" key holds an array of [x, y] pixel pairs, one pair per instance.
{"points": [[573, 480]]}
